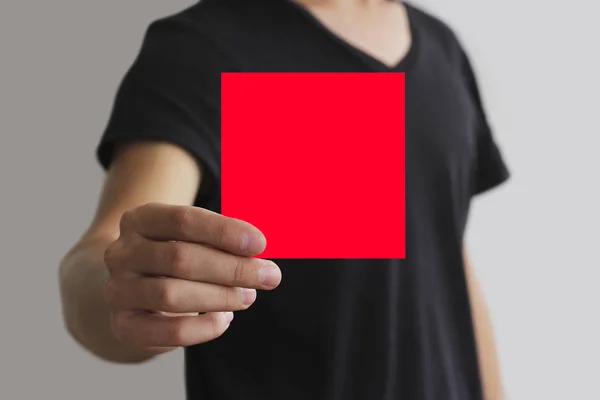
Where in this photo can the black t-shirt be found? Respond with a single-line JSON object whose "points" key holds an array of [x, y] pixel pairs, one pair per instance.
{"points": [[334, 329]]}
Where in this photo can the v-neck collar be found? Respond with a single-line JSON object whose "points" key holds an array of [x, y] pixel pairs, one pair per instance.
{"points": [[369, 60]]}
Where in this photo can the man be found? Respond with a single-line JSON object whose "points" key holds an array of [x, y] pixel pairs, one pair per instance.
{"points": [[160, 268]]}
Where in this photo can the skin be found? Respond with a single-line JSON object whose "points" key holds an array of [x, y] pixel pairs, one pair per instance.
{"points": [[378, 28], [484, 335], [150, 259], [134, 282]]}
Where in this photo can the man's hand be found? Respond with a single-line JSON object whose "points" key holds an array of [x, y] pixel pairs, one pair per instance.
{"points": [[171, 263]]}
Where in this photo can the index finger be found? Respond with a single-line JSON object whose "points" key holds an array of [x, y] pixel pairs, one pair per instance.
{"points": [[198, 225]]}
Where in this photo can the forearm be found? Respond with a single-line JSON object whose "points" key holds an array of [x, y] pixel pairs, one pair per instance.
{"points": [[486, 345], [85, 311], [488, 357]]}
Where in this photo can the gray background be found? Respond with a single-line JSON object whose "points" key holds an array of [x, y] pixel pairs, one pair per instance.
{"points": [[534, 241]]}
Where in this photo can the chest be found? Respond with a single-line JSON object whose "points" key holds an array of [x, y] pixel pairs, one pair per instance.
{"points": [[441, 115]]}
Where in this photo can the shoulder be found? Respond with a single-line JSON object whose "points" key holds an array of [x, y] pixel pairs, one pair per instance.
{"points": [[188, 39], [206, 17], [437, 34], [183, 28]]}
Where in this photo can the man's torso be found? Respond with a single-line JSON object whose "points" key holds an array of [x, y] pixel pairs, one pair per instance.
{"points": [[344, 329]]}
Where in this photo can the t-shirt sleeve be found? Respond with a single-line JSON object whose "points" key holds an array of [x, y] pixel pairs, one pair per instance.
{"points": [[489, 169], [170, 94]]}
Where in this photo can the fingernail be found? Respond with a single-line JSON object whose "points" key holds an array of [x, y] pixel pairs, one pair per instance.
{"points": [[269, 275], [253, 243], [249, 295], [228, 317]]}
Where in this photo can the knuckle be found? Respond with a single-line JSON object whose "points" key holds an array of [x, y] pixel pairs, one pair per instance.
{"points": [[239, 270], [178, 258], [226, 300], [176, 332], [144, 208], [126, 221], [113, 254], [167, 296], [221, 233], [183, 219], [140, 214]]}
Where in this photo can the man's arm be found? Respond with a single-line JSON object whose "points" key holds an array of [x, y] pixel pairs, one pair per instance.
{"points": [[484, 335], [141, 173]]}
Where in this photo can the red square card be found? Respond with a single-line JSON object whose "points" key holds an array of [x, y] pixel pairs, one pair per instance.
{"points": [[316, 161]]}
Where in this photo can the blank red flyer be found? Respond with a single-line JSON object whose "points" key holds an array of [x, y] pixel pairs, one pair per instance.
{"points": [[316, 161]]}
